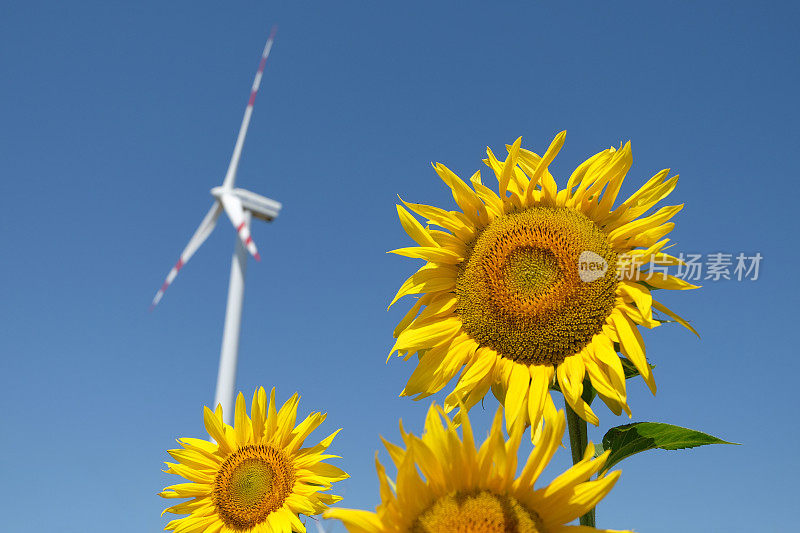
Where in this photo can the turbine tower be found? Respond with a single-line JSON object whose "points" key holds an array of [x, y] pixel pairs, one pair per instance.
{"points": [[239, 205]]}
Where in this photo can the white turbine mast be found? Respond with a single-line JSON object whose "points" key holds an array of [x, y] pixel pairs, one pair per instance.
{"points": [[239, 205]]}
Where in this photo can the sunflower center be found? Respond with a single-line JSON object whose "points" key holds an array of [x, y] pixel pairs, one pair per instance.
{"points": [[531, 270], [252, 483], [477, 512], [521, 290]]}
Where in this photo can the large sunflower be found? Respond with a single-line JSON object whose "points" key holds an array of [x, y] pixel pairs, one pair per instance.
{"points": [[256, 478], [536, 284], [446, 485]]}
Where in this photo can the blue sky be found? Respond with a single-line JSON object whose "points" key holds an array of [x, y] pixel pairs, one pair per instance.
{"points": [[118, 118]]}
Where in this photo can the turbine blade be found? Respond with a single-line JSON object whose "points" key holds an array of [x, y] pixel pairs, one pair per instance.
{"points": [[234, 210], [230, 175], [200, 235]]}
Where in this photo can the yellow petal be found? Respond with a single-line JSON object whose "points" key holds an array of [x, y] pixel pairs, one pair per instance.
{"points": [[427, 334], [216, 429], [431, 254], [430, 278], [465, 197], [668, 282], [517, 393], [633, 346], [618, 236], [680, 320], [508, 167], [242, 428], [356, 520], [408, 318], [583, 498], [457, 223], [494, 205], [548, 157], [541, 375], [414, 228], [640, 295]]}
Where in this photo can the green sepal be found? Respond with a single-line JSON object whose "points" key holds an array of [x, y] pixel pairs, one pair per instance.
{"points": [[630, 369], [627, 366], [598, 450], [588, 391]]}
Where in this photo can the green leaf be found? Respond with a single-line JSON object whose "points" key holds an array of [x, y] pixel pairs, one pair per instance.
{"points": [[630, 439]]}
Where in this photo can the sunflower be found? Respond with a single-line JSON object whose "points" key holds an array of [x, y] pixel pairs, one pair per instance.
{"points": [[536, 285], [462, 489], [256, 478]]}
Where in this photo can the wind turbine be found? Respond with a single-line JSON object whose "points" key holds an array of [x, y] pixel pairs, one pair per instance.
{"points": [[239, 205]]}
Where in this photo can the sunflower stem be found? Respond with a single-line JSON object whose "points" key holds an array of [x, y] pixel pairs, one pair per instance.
{"points": [[578, 440]]}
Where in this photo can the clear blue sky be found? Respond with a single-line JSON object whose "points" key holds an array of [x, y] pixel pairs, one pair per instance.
{"points": [[117, 118]]}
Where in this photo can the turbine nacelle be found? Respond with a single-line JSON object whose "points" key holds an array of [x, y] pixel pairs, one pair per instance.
{"points": [[261, 207]]}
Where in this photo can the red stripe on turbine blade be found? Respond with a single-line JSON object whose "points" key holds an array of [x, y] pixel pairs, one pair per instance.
{"points": [[179, 264], [262, 64], [239, 227], [164, 286], [252, 99], [272, 32], [257, 256], [249, 239]]}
